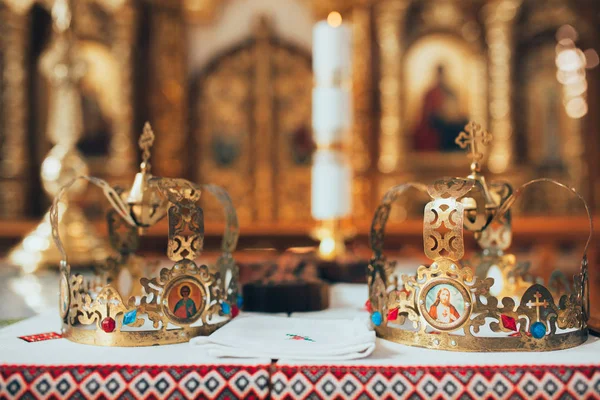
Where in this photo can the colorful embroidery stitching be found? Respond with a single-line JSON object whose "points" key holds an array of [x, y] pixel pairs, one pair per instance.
{"points": [[40, 337], [298, 337]]}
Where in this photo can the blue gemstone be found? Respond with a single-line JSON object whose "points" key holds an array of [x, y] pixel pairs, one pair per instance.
{"points": [[129, 317], [240, 301], [376, 318], [538, 330], [225, 308]]}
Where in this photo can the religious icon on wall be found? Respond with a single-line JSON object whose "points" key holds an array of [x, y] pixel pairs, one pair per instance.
{"points": [[185, 301], [443, 80], [226, 149], [441, 119], [302, 145], [445, 306]]}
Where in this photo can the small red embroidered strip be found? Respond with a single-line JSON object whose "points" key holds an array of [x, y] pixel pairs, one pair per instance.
{"points": [[40, 337]]}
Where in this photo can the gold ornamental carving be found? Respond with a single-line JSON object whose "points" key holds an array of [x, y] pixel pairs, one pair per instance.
{"points": [[14, 45], [362, 90], [499, 25], [168, 103], [390, 17]]}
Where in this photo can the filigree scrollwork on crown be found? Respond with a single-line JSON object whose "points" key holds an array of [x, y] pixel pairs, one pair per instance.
{"points": [[181, 191], [524, 316], [123, 237], [87, 311], [155, 303], [443, 219], [177, 190], [186, 231]]}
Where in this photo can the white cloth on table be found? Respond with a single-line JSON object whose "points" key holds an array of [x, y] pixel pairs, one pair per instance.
{"points": [[290, 338]]}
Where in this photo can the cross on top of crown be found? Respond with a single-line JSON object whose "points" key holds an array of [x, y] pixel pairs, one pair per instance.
{"points": [[474, 136]]}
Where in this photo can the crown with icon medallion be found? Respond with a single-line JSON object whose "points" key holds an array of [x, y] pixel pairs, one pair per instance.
{"points": [[122, 305], [457, 303]]}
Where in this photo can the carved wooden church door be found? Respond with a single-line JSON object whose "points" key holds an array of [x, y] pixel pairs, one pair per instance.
{"points": [[251, 121]]}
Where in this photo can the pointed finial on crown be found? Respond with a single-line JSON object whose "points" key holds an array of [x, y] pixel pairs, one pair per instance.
{"points": [[475, 137], [146, 207], [145, 143]]}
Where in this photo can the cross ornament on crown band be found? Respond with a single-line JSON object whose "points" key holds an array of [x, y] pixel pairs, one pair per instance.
{"points": [[537, 304]]}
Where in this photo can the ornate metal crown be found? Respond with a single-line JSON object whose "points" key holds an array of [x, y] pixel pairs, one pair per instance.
{"points": [[452, 304], [184, 301]]}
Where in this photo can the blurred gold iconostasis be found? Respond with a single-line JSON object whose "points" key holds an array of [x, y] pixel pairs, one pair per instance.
{"points": [[227, 87]]}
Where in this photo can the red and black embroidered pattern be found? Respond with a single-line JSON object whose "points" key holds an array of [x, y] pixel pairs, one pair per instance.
{"points": [[133, 381], [497, 382]]}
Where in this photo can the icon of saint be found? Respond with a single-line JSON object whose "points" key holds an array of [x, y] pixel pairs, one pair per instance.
{"points": [[442, 310], [441, 119], [185, 307]]}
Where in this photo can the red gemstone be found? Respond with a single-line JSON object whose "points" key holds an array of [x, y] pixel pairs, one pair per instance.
{"points": [[108, 324], [368, 306], [393, 314], [234, 311], [508, 322]]}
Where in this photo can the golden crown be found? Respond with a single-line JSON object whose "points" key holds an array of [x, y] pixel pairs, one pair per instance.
{"points": [[453, 304], [183, 301]]}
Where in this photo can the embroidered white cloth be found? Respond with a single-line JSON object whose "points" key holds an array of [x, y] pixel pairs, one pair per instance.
{"points": [[290, 338]]}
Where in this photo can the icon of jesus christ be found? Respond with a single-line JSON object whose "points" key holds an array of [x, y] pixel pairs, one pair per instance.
{"points": [[442, 310], [185, 308]]}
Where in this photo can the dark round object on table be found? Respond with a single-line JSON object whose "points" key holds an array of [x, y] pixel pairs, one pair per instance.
{"points": [[288, 297], [345, 271]]}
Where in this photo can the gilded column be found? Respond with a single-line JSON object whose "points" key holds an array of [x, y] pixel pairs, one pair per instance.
{"points": [[122, 160], [13, 116], [363, 112], [168, 103], [392, 142], [264, 187], [499, 19]]}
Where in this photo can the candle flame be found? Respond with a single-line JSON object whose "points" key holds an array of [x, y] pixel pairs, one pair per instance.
{"points": [[327, 248], [334, 19]]}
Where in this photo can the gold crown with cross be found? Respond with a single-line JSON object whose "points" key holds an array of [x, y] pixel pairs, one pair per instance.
{"points": [[489, 302], [124, 306]]}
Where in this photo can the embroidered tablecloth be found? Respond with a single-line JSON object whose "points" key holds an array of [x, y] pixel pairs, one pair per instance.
{"points": [[60, 369]]}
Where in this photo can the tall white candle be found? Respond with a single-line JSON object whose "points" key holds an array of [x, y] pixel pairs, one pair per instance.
{"points": [[332, 120], [331, 185], [331, 115], [331, 53]]}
